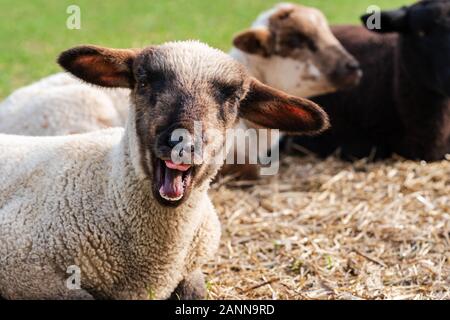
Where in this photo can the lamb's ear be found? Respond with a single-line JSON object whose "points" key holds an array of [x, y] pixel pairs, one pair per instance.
{"points": [[274, 109], [101, 66], [254, 41], [389, 21]]}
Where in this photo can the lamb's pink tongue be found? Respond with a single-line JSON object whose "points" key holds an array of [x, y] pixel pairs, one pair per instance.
{"points": [[181, 166], [172, 186]]}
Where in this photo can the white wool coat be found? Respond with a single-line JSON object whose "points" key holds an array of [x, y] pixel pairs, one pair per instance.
{"points": [[60, 105], [82, 200]]}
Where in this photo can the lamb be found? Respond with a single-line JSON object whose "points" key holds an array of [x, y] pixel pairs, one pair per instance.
{"points": [[402, 105], [118, 203], [289, 47], [61, 105]]}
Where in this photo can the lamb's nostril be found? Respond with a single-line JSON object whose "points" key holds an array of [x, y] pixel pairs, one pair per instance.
{"points": [[183, 147], [172, 143], [186, 148]]}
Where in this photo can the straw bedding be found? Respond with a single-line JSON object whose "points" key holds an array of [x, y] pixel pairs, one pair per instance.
{"points": [[327, 229]]}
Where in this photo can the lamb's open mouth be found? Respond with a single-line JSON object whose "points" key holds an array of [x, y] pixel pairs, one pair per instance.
{"points": [[172, 181]]}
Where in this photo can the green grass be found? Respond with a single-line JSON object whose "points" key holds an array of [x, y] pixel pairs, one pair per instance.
{"points": [[33, 32]]}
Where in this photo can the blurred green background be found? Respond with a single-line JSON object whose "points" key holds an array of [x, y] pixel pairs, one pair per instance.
{"points": [[33, 32]]}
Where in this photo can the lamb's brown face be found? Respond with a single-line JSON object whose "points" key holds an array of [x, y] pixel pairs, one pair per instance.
{"points": [[300, 53], [185, 101], [185, 96]]}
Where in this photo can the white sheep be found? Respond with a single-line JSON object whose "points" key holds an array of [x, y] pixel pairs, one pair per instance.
{"points": [[60, 105], [114, 203]]}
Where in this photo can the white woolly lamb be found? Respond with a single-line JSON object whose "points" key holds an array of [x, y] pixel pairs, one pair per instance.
{"points": [[115, 203], [60, 105]]}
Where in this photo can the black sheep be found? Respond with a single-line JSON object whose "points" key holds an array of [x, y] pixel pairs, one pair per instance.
{"points": [[402, 104]]}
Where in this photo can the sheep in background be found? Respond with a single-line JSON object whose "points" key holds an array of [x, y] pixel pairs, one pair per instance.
{"points": [[292, 48], [113, 202], [403, 102], [60, 105]]}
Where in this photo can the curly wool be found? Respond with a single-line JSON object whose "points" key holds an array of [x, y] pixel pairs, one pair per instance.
{"points": [[82, 200]]}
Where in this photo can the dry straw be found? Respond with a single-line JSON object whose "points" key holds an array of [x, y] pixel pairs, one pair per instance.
{"points": [[335, 230]]}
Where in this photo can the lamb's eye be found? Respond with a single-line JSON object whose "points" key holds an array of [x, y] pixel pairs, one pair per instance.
{"points": [[156, 80], [226, 92], [155, 76], [142, 84], [297, 40], [229, 92]]}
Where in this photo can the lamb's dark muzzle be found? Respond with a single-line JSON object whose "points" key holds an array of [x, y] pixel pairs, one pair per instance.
{"points": [[347, 75]]}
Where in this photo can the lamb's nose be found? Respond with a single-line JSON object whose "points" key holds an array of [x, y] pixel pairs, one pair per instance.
{"points": [[183, 146], [352, 66]]}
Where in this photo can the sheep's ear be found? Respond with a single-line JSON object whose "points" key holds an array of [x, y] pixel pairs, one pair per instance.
{"points": [[101, 66], [274, 109], [388, 21], [254, 41]]}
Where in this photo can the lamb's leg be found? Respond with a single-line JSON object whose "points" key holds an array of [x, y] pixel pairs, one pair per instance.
{"points": [[191, 288]]}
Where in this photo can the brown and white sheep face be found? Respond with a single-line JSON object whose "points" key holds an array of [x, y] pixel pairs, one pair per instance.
{"points": [[185, 97], [292, 48]]}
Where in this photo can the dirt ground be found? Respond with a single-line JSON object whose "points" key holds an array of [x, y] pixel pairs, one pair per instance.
{"points": [[327, 229]]}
